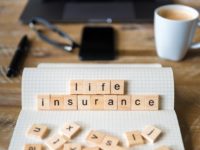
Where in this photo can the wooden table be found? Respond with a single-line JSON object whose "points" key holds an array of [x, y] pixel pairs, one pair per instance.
{"points": [[135, 43]]}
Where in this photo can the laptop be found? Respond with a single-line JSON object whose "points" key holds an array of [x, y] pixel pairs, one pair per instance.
{"points": [[77, 11]]}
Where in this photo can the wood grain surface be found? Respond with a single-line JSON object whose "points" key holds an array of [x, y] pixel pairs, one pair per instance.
{"points": [[135, 43]]}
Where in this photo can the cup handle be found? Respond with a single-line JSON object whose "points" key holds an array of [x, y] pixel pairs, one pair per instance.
{"points": [[196, 45]]}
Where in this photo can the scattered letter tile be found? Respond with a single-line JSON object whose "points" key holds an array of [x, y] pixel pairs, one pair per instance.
{"points": [[151, 133], [33, 147], [134, 138], [163, 148], [56, 142], [95, 137], [38, 131], [108, 142], [91, 148], [70, 130], [72, 146]]}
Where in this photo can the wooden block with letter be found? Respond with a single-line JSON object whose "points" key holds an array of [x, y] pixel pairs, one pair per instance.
{"points": [[108, 142], [134, 138], [89, 87], [138, 102], [56, 142], [102, 87], [33, 147], [91, 148], [95, 137], [38, 131], [70, 102], [83, 102], [57, 102], [151, 133], [117, 86], [124, 102], [110, 102], [70, 130], [152, 102], [96, 102], [43, 102], [72, 146], [76, 86]]}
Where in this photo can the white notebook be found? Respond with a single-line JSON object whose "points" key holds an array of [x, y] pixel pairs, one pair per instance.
{"points": [[140, 79]]}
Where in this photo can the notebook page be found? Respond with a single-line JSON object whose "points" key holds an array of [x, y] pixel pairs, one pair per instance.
{"points": [[112, 122], [139, 81], [63, 65]]}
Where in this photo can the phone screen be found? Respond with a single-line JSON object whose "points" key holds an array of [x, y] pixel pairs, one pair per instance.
{"points": [[98, 43]]}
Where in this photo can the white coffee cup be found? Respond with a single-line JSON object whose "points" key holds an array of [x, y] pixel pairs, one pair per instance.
{"points": [[174, 34]]}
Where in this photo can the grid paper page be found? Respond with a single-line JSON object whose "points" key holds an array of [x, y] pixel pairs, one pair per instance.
{"points": [[139, 81], [112, 122], [64, 65]]}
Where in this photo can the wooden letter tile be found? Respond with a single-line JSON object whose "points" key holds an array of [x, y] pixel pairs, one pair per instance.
{"points": [[117, 86], [151, 133], [43, 102], [72, 146], [108, 142], [95, 137], [89, 87], [117, 148], [38, 131], [103, 87], [84, 102], [124, 102], [57, 102], [70, 102], [134, 138], [96, 102], [70, 130], [163, 148], [138, 102], [76, 87], [33, 147], [152, 102], [110, 102], [56, 142]]}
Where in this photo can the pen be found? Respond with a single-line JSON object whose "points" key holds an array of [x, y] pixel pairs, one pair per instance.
{"points": [[19, 57]]}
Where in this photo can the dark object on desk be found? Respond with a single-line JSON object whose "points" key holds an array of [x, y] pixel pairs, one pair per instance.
{"points": [[68, 46], [19, 57], [98, 43], [92, 10]]}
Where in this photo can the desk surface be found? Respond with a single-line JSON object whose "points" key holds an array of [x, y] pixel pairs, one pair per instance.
{"points": [[135, 44]]}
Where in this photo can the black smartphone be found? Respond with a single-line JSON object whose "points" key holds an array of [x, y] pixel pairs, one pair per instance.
{"points": [[98, 43]]}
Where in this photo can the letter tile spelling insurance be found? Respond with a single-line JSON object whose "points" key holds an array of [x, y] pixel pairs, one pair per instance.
{"points": [[138, 102], [134, 138], [95, 137], [102, 87], [70, 130], [56, 142], [43, 102], [117, 86], [91, 148], [72, 146], [96, 102], [76, 86], [152, 102], [163, 148], [33, 147], [110, 102], [124, 102], [89, 87], [70, 102], [151, 133], [57, 102], [108, 142], [38, 131], [84, 102]]}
